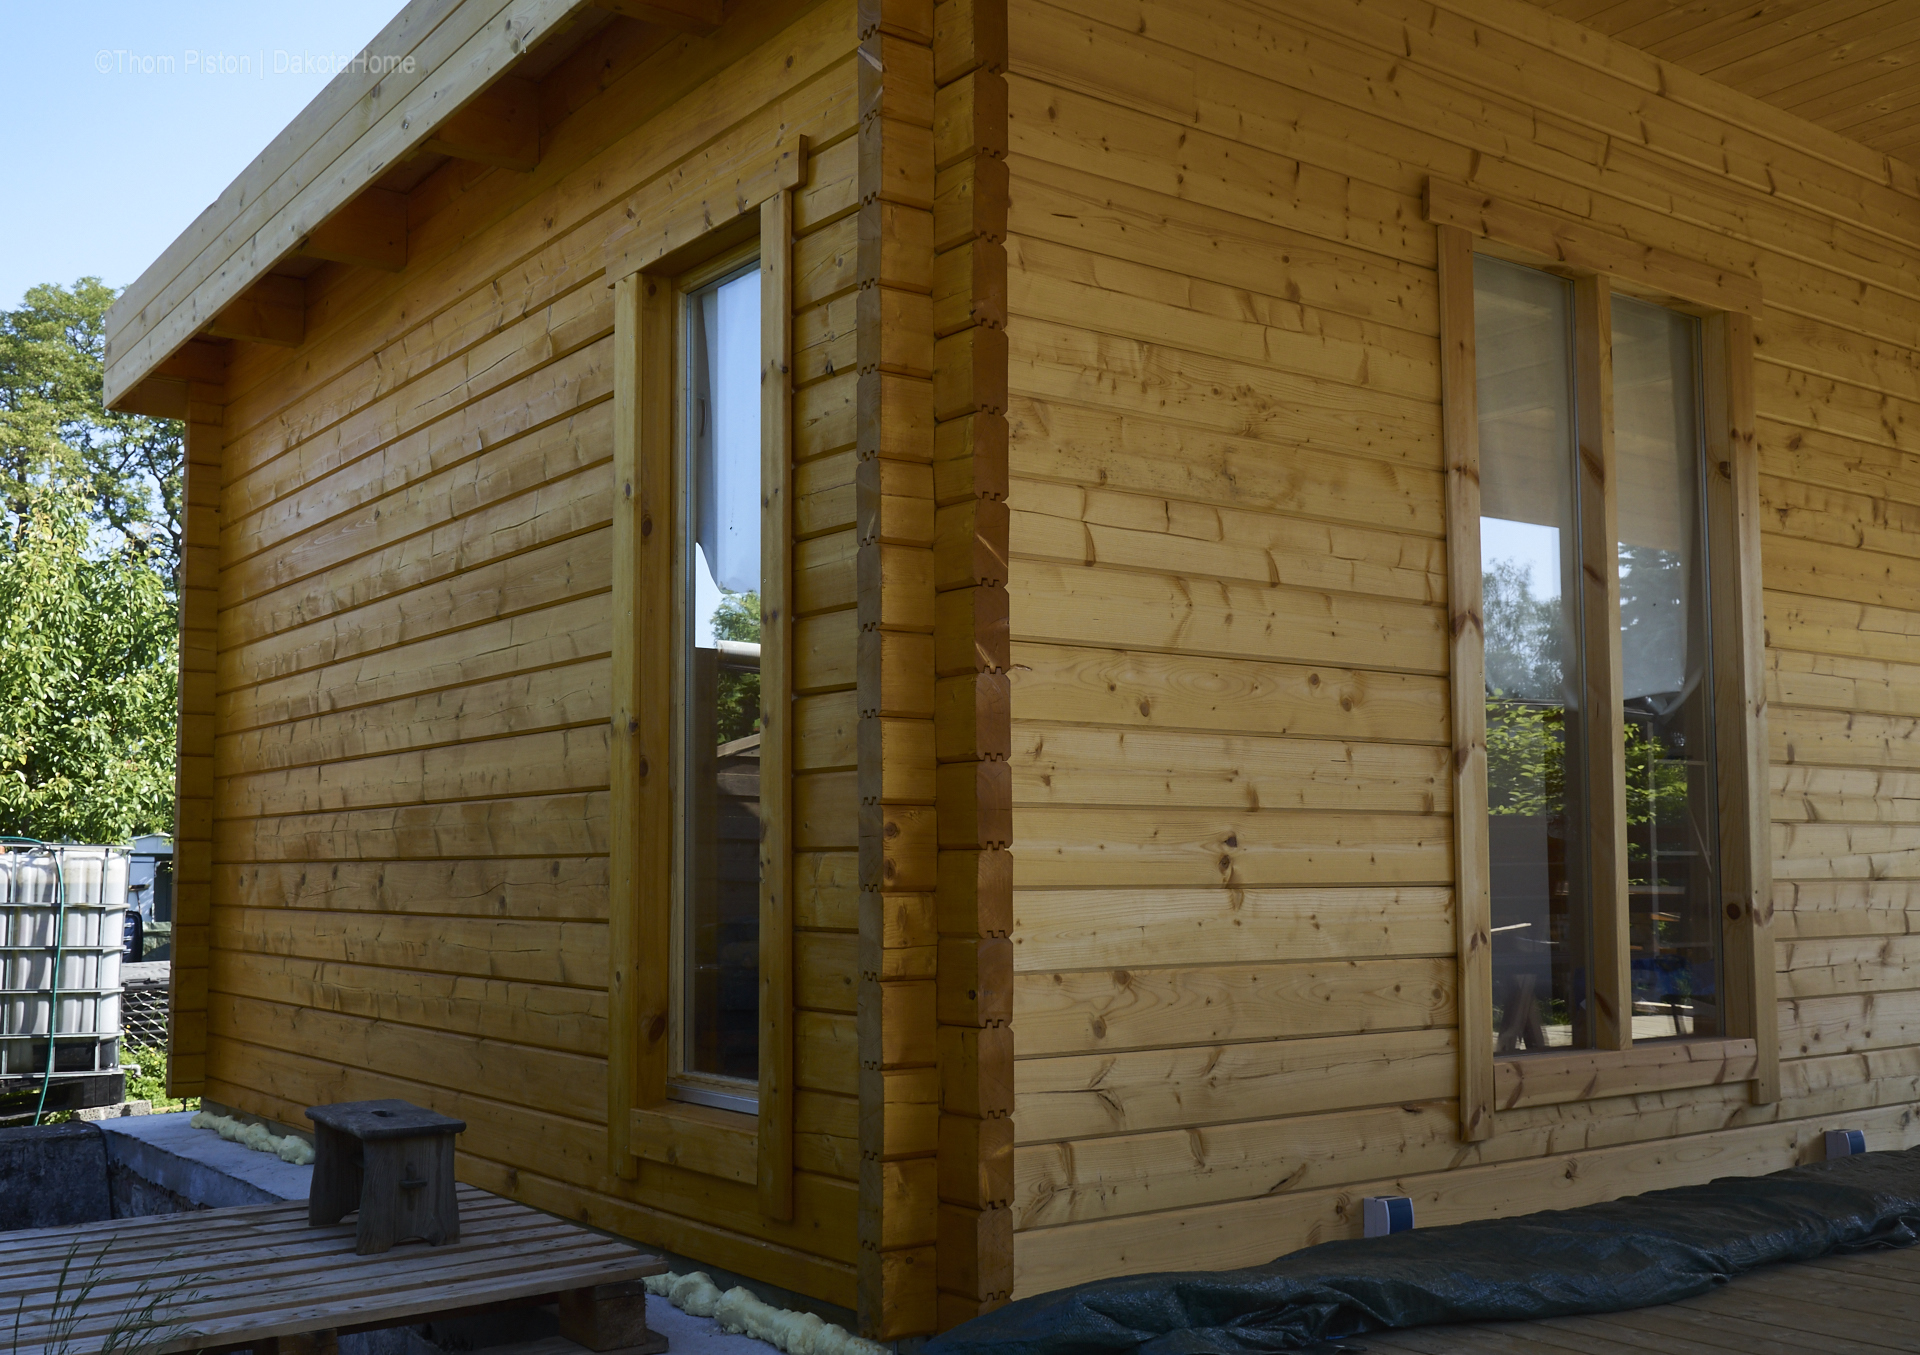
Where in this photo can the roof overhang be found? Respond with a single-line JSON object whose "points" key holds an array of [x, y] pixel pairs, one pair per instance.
{"points": [[442, 78], [1849, 66]]}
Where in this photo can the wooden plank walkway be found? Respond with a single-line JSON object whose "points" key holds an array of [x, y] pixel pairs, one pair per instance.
{"points": [[237, 1277], [1867, 1304]]}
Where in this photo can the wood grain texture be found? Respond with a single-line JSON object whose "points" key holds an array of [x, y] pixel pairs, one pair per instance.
{"points": [[655, 614], [1130, 928], [1552, 1078], [1143, 637], [194, 770], [1079, 1096], [1740, 695], [775, 1149], [1059, 764], [972, 734], [1207, 232], [1079, 1011], [1837, 64], [893, 592], [1603, 795], [629, 836], [1213, 1236], [1466, 623], [1542, 238], [433, 587]]}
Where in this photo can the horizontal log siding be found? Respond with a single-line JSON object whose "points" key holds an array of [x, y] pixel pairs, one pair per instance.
{"points": [[1234, 1008], [409, 881]]}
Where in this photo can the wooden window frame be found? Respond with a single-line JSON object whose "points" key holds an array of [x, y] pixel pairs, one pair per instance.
{"points": [[1469, 222], [684, 1085], [644, 1021]]}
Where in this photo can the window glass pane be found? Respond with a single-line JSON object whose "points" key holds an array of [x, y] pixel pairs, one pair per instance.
{"points": [[720, 800], [1672, 839], [1529, 559]]}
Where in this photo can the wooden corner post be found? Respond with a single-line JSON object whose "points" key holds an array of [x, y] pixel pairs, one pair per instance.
{"points": [[899, 1076], [1473, 905], [194, 772], [972, 720]]}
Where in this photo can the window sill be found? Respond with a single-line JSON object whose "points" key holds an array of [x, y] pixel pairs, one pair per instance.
{"points": [[703, 1139], [1592, 1074]]}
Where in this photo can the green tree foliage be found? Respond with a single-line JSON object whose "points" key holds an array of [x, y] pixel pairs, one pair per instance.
{"points": [[1526, 766], [52, 369], [1526, 758], [89, 560], [1653, 616], [1523, 634], [146, 1068], [737, 703], [1526, 720]]}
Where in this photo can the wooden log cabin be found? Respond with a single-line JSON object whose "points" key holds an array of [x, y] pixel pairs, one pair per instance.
{"points": [[930, 650]]}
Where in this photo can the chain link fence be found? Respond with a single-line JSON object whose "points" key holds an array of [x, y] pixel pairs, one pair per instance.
{"points": [[143, 1007]]}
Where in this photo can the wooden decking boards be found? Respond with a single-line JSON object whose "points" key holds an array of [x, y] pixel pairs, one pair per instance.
{"points": [[229, 1277], [1839, 1305]]}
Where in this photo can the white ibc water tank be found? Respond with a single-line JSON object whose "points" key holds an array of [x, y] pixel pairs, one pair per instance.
{"points": [[84, 1017]]}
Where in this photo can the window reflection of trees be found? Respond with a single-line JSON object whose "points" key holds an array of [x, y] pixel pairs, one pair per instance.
{"points": [[736, 703], [1667, 854]]}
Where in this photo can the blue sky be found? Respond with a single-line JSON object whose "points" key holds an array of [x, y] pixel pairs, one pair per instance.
{"points": [[110, 155]]}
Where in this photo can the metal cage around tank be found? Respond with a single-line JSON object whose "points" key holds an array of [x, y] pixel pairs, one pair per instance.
{"points": [[61, 939]]}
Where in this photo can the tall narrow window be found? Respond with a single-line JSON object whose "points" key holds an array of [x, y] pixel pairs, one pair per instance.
{"points": [[1666, 672], [719, 713], [1547, 662], [1608, 652], [1530, 567]]}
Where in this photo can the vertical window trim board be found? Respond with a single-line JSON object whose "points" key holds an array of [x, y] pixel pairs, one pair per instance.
{"points": [[1467, 222], [642, 1123], [1603, 723], [1473, 902], [775, 1147], [1740, 695]]}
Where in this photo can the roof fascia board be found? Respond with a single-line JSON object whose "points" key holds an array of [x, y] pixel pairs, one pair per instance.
{"points": [[474, 43], [333, 103]]}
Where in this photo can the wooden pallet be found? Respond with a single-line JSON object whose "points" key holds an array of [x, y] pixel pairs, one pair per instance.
{"points": [[259, 1277], [1867, 1304]]}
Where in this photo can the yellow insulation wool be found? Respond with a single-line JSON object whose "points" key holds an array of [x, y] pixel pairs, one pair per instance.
{"points": [[740, 1312], [289, 1149]]}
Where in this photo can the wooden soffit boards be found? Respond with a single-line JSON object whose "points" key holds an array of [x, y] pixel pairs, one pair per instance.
{"points": [[1850, 66], [1536, 237], [691, 16], [433, 60]]}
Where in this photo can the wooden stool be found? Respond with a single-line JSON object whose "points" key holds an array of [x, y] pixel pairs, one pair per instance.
{"points": [[392, 1161]]}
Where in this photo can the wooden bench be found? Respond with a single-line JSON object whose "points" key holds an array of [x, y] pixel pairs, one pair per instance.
{"points": [[261, 1278]]}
